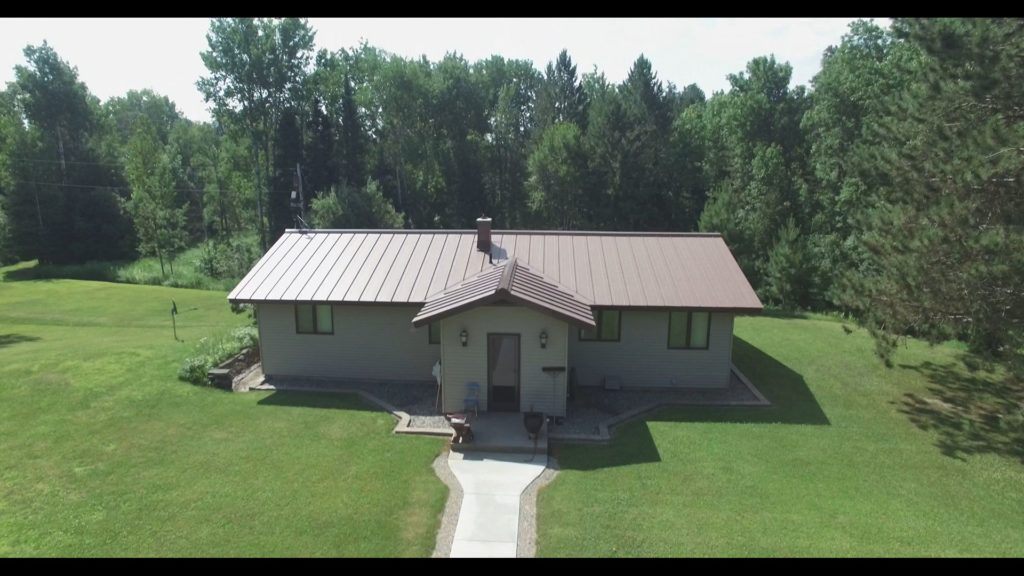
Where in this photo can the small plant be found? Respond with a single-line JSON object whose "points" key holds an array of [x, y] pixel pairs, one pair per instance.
{"points": [[194, 370], [210, 352]]}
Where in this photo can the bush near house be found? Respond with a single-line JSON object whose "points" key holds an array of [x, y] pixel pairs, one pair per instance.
{"points": [[211, 351]]}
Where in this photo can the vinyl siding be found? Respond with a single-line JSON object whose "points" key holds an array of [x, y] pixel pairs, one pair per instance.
{"points": [[538, 390], [369, 342], [641, 357]]}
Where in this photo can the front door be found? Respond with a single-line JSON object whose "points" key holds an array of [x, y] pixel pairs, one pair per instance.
{"points": [[503, 372]]}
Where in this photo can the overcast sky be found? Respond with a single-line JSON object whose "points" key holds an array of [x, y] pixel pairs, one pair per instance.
{"points": [[114, 55]]}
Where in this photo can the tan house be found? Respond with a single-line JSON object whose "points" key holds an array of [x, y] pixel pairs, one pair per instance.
{"points": [[518, 313]]}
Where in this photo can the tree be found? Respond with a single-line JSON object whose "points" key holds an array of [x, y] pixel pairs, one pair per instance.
{"points": [[159, 222], [867, 69], [352, 138], [788, 269], [687, 153], [604, 184], [64, 207], [562, 97], [556, 167], [124, 113], [56, 102], [645, 145], [945, 239], [191, 148], [755, 162], [257, 68], [510, 87], [6, 254], [287, 154], [349, 207]]}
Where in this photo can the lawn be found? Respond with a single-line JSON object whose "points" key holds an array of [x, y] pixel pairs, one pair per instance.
{"points": [[105, 453], [853, 459]]}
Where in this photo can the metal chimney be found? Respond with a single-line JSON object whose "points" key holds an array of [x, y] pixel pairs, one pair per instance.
{"points": [[483, 234]]}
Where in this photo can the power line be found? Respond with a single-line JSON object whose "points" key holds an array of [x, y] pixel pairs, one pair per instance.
{"points": [[128, 189], [38, 161]]}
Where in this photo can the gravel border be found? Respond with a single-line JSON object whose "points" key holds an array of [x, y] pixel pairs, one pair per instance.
{"points": [[450, 516], [526, 544], [657, 399], [406, 424]]}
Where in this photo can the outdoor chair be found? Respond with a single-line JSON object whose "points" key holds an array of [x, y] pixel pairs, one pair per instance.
{"points": [[463, 429], [472, 399]]}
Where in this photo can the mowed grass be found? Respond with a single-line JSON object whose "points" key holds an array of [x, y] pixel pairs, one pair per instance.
{"points": [[103, 452], [853, 459]]}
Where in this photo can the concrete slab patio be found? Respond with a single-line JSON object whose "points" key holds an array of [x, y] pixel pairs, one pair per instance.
{"points": [[503, 432], [492, 484]]}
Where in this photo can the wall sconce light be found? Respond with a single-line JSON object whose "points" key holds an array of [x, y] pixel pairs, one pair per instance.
{"points": [[544, 339], [464, 337]]}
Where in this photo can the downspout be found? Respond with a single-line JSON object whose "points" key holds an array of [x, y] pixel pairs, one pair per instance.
{"points": [[259, 333], [565, 375], [444, 364]]}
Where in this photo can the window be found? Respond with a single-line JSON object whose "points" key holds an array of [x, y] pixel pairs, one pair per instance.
{"points": [[609, 327], [314, 319], [434, 330], [689, 330]]}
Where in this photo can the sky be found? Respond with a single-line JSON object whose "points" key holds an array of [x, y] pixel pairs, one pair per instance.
{"points": [[114, 55]]}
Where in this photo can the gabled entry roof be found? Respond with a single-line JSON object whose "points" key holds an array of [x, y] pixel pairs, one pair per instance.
{"points": [[609, 269], [510, 281]]}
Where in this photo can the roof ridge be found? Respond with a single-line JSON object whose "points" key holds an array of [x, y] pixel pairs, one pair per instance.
{"points": [[505, 284], [499, 231]]}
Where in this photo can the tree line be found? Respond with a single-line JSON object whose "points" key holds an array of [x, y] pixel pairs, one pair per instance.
{"points": [[889, 189]]}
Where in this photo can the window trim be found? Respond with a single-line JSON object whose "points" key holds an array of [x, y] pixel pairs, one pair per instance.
{"points": [[430, 341], [597, 331], [316, 325], [689, 326]]}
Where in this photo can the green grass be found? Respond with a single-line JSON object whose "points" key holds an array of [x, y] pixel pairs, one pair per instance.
{"points": [[853, 459], [188, 270], [104, 452]]}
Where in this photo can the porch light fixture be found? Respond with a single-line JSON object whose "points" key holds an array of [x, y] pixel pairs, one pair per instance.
{"points": [[544, 339], [464, 337]]}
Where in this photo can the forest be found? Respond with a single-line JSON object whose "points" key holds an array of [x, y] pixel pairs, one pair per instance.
{"points": [[888, 191]]}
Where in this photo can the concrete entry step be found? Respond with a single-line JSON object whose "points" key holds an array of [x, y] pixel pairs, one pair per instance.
{"points": [[503, 432]]}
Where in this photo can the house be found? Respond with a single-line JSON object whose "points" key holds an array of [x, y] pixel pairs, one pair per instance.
{"points": [[517, 312]]}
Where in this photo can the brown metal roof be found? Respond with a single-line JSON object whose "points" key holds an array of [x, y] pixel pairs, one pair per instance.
{"points": [[609, 269], [513, 282]]}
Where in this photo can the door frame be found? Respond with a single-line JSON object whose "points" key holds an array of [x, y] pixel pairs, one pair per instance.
{"points": [[519, 372]]}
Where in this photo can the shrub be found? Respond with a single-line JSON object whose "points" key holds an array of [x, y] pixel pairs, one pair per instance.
{"points": [[226, 259], [210, 352], [194, 370]]}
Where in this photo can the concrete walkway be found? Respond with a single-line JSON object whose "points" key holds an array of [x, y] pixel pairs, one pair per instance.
{"points": [[492, 484]]}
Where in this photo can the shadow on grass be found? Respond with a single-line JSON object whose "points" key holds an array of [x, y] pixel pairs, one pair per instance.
{"points": [[333, 401], [632, 444], [970, 413], [792, 402], [101, 271], [12, 339], [784, 314]]}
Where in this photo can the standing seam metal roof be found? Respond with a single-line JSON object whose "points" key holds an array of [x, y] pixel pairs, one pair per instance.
{"points": [[608, 269]]}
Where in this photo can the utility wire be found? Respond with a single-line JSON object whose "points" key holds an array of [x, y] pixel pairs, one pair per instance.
{"points": [[39, 161], [128, 189]]}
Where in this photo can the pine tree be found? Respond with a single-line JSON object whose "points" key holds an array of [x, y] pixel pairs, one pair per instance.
{"points": [[789, 270], [945, 241], [562, 97]]}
